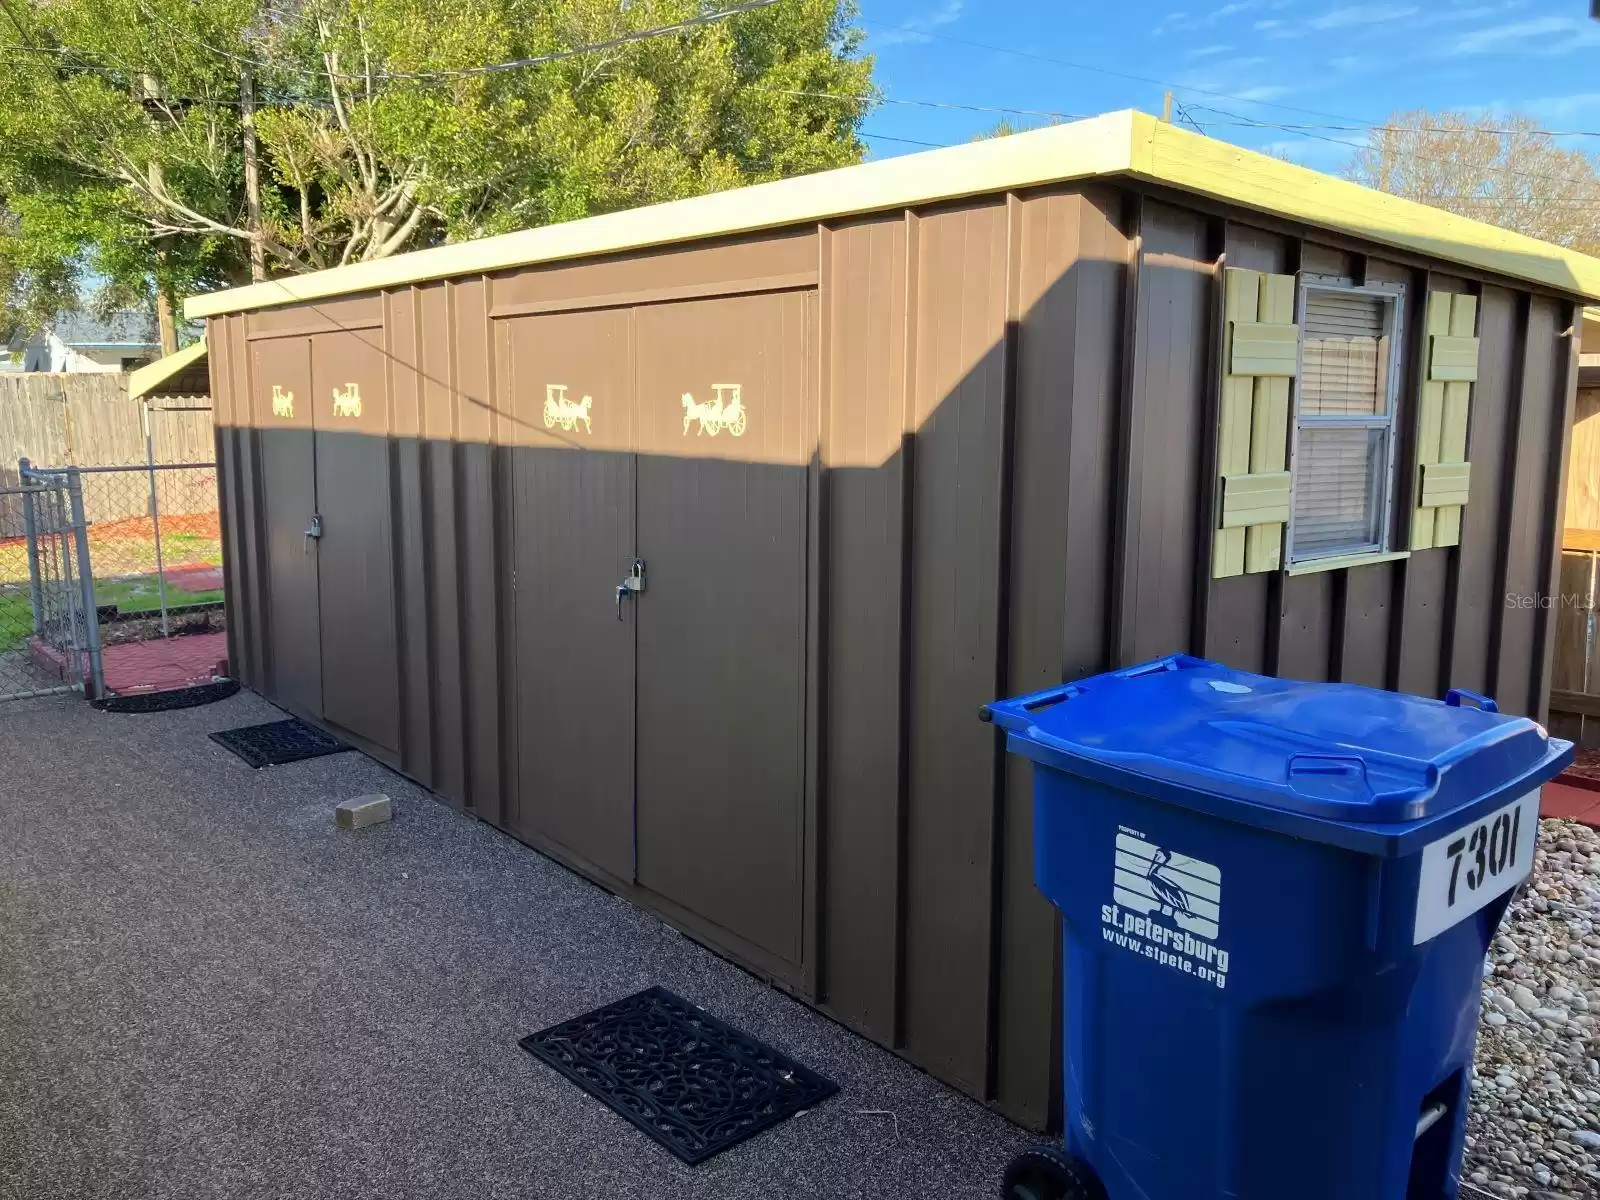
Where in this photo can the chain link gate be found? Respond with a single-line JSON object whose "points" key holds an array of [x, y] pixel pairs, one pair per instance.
{"points": [[49, 637]]}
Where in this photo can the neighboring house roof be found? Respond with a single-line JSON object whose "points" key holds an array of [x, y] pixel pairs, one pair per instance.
{"points": [[132, 329], [186, 373], [1123, 144]]}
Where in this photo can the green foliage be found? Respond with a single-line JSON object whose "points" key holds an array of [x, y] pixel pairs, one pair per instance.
{"points": [[358, 162]]}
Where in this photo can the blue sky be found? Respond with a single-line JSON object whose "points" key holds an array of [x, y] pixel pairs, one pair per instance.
{"points": [[1282, 62]]}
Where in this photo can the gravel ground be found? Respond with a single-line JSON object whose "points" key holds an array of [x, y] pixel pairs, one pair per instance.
{"points": [[1534, 1127], [206, 990]]}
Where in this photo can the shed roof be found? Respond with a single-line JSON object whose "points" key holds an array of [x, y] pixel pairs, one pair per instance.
{"points": [[1121, 144], [185, 372]]}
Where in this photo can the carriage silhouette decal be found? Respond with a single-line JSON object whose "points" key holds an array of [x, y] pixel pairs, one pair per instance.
{"points": [[725, 410], [282, 402], [558, 410], [347, 402]]}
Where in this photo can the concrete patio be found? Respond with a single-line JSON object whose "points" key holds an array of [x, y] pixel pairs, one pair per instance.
{"points": [[206, 990]]}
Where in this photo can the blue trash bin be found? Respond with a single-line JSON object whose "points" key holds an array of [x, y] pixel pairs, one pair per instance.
{"points": [[1277, 899]]}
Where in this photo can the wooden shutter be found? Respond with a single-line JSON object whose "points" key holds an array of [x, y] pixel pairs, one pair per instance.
{"points": [[1442, 469], [1261, 351]]}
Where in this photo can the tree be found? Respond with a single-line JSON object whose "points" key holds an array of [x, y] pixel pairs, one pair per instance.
{"points": [[123, 126], [1506, 171]]}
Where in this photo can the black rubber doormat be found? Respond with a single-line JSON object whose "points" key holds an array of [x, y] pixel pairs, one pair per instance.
{"points": [[695, 1085], [278, 742], [172, 698]]}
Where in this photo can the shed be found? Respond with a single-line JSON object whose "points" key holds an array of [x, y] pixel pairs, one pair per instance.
{"points": [[684, 543]]}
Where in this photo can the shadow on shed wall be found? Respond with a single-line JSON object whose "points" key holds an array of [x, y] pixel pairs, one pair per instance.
{"points": [[1008, 483]]}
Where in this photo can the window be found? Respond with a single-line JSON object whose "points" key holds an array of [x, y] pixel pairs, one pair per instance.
{"points": [[1343, 448]]}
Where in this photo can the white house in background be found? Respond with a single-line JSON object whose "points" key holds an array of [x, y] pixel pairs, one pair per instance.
{"points": [[81, 342]]}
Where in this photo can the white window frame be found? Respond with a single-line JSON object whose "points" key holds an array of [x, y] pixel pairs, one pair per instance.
{"points": [[1394, 294]]}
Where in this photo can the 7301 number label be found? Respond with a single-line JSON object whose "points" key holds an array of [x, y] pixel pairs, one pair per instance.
{"points": [[1465, 870]]}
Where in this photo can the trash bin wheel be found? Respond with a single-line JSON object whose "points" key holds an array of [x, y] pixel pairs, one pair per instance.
{"points": [[1049, 1173]]}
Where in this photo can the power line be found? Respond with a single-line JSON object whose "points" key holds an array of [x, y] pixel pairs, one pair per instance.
{"points": [[1354, 123], [1248, 122], [881, 99], [514, 64], [1077, 66]]}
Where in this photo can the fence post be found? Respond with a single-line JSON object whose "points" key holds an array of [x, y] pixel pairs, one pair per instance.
{"points": [[155, 516], [30, 527], [95, 686]]}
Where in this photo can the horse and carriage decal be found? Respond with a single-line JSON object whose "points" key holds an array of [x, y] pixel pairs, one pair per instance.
{"points": [[558, 410], [725, 410]]}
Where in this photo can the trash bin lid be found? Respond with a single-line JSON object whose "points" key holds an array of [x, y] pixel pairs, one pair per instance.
{"points": [[1333, 751]]}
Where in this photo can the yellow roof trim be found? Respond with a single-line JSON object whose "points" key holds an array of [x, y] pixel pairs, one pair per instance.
{"points": [[146, 379], [1117, 144], [1163, 153]]}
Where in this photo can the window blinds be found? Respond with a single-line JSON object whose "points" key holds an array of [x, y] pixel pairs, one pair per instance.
{"points": [[1342, 448]]}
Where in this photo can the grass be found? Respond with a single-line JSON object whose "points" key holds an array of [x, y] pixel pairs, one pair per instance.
{"points": [[16, 617], [140, 593]]}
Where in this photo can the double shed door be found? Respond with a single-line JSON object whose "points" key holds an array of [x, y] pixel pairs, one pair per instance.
{"points": [[666, 747], [320, 409]]}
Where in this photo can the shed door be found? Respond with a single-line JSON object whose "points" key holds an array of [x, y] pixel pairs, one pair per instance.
{"points": [[572, 472], [280, 410], [722, 483], [356, 575]]}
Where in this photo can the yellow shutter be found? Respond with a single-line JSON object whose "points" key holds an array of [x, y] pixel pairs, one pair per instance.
{"points": [[1261, 352], [1452, 367]]}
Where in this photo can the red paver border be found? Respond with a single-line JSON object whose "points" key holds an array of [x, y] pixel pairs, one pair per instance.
{"points": [[1573, 803]]}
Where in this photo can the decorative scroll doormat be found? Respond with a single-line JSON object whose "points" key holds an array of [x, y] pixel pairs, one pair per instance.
{"points": [[695, 1085], [278, 742]]}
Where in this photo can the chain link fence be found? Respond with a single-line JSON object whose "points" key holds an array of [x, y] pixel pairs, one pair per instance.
{"points": [[106, 573], [48, 634], [155, 545]]}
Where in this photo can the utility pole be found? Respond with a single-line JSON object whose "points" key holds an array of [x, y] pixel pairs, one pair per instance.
{"points": [[1166, 102], [158, 185], [252, 172]]}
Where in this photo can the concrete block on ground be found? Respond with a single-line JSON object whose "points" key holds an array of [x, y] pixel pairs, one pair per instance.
{"points": [[363, 811]]}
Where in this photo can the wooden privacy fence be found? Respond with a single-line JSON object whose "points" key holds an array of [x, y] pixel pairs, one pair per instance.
{"points": [[1575, 675], [87, 420]]}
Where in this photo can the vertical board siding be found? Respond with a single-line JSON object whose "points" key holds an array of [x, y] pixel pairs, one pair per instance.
{"points": [[1479, 603], [864, 304], [1007, 481], [958, 411], [1527, 500], [443, 545], [410, 534], [472, 351], [1172, 333], [1071, 264]]}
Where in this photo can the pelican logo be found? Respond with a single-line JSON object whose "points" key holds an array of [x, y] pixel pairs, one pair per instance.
{"points": [[558, 410], [282, 402], [1166, 907], [725, 410], [347, 402]]}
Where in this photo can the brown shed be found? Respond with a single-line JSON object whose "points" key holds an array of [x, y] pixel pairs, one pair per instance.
{"points": [[684, 543]]}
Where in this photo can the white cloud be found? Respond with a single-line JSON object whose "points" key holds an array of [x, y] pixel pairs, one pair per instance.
{"points": [[1263, 26], [1554, 110], [1539, 35], [1362, 14], [1208, 51], [915, 31]]}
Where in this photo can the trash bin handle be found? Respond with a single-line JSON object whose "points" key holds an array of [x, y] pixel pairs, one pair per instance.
{"points": [[1455, 696], [1329, 764]]}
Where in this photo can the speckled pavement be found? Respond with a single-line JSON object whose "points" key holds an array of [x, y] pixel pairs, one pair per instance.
{"points": [[206, 990]]}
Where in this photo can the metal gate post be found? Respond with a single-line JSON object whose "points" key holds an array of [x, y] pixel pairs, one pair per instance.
{"points": [[30, 527], [95, 685]]}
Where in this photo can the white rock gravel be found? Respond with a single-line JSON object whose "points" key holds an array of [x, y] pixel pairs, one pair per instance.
{"points": [[1534, 1125]]}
